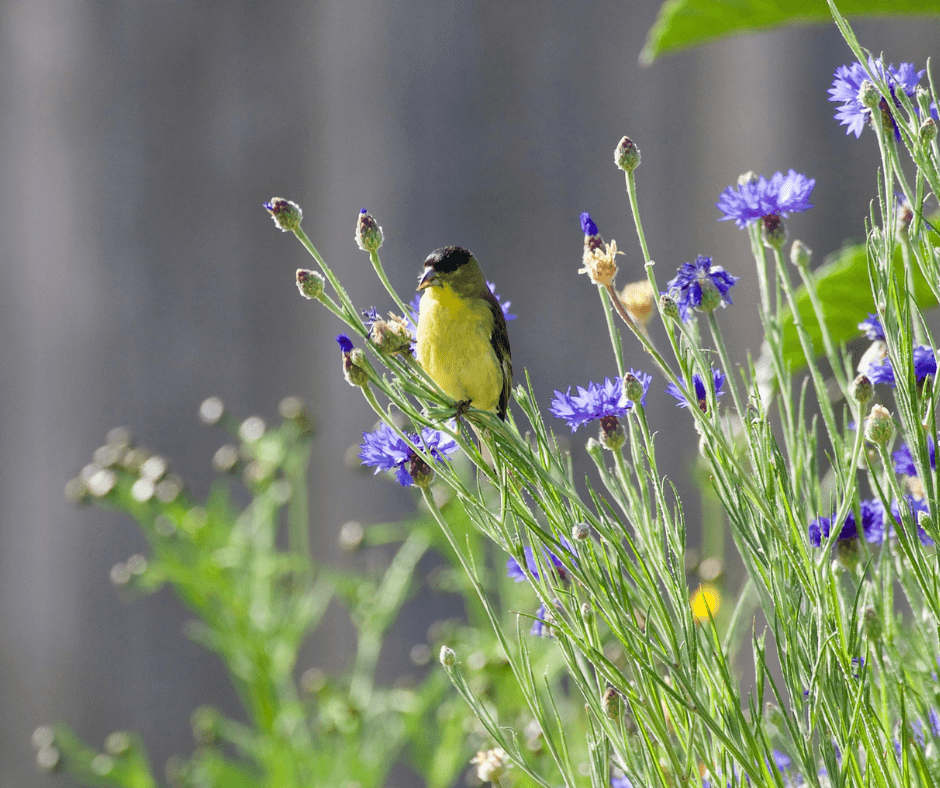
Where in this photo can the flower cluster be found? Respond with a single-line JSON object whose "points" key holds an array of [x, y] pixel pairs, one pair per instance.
{"points": [[386, 451], [700, 285]]}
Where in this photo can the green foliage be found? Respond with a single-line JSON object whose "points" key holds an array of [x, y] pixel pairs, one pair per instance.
{"points": [[682, 24]]}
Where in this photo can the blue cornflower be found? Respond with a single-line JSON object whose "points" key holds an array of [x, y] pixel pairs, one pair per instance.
{"points": [[847, 81], [384, 451], [871, 325], [604, 401], [873, 525], [718, 380], [759, 198], [925, 363], [345, 343], [541, 627], [915, 507], [700, 285], [515, 571], [904, 460], [504, 305]]}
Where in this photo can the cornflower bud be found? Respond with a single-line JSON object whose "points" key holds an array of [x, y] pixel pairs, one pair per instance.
{"points": [[627, 155], [310, 283], [879, 427], [421, 472], [392, 335], [633, 388], [862, 389], [369, 235], [868, 95], [448, 657], [668, 307], [873, 626], [286, 214], [612, 435], [928, 130], [612, 703], [800, 254]]}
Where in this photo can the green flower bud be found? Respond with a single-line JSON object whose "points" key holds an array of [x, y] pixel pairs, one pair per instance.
{"points": [[868, 95], [862, 389], [310, 283], [354, 368], [627, 155], [392, 336], [711, 296], [928, 130], [800, 254], [879, 427], [612, 703], [632, 388], [448, 657], [668, 307], [847, 552], [369, 235], [286, 214], [587, 613]]}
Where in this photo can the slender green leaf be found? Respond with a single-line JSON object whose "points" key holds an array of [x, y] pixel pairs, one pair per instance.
{"points": [[682, 24]]}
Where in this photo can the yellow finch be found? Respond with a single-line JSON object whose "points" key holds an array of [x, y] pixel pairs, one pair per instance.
{"points": [[462, 339]]}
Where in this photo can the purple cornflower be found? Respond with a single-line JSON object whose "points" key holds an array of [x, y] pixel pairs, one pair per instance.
{"points": [[759, 198], [925, 363], [596, 402], [587, 224], [871, 325], [915, 506], [873, 525], [718, 380], [847, 82], [904, 460], [619, 780], [384, 451], [700, 285], [515, 571]]}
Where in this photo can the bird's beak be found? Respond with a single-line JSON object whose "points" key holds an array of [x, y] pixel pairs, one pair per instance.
{"points": [[429, 279]]}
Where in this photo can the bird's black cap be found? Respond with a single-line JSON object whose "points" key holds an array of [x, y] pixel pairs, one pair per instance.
{"points": [[447, 259]]}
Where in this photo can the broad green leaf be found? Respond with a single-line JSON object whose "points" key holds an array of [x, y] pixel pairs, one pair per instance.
{"points": [[682, 24], [845, 295]]}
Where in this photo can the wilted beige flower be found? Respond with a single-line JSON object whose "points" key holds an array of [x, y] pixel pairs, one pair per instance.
{"points": [[599, 263]]}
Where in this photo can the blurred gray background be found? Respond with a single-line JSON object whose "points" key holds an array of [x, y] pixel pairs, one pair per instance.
{"points": [[141, 273]]}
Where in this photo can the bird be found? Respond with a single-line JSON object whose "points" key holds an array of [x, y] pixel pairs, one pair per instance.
{"points": [[462, 341]]}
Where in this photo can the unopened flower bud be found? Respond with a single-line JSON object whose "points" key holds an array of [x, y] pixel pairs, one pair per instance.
{"points": [[868, 95], [612, 703], [773, 231], [587, 613], [711, 296], [286, 214], [448, 657], [862, 389], [310, 283], [627, 155], [847, 553], [580, 532], [668, 307], [800, 254], [879, 427], [632, 387], [928, 130], [369, 235]]}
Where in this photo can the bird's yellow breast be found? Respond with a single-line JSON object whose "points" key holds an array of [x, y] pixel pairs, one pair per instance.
{"points": [[454, 347]]}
